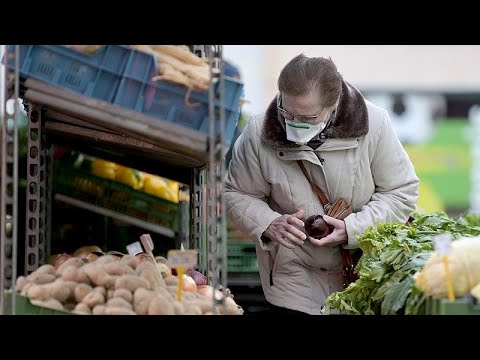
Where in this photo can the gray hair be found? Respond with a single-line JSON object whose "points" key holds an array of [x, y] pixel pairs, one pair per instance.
{"points": [[303, 75]]}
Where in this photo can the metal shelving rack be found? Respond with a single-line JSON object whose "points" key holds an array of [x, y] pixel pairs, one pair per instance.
{"points": [[101, 129]]}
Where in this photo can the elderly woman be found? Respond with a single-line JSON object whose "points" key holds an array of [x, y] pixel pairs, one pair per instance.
{"points": [[348, 149]]}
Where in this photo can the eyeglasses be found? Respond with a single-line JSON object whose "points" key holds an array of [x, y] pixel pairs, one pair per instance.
{"points": [[302, 118]]}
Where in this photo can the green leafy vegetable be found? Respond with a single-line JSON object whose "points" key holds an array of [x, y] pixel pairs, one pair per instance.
{"points": [[392, 254]]}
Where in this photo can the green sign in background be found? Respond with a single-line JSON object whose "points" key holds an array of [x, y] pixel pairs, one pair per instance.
{"points": [[443, 164]]}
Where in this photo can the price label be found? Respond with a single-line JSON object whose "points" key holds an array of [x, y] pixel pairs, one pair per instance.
{"points": [[182, 258], [134, 248]]}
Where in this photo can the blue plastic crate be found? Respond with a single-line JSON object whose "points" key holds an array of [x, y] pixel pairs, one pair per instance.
{"points": [[97, 75], [174, 103]]}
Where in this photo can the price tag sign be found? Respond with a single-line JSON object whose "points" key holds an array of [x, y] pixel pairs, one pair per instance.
{"points": [[443, 243], [182, 258], [134, 248]]}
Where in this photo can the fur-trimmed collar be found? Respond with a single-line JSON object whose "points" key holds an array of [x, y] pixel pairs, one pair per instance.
{"points": [[351, 120]]}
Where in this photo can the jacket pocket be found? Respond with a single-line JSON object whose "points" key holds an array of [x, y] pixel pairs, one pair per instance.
{"points": [[273, 257]]}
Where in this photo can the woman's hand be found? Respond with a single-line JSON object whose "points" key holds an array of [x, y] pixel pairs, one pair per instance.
{"points": [[336, 237], [283, 230]]}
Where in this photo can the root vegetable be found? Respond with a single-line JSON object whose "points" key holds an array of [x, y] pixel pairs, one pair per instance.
{"points": [[164, 269], [72, 261], [130, 260], [124, 294], [316, 227], [119, 302], [192, 309], [131, 282], [50, 303], [161, 305], [118, 311], [70, 273], [171, 280], [179, 52], [99, 310], [41, 278], [25, 288], [20, 283], [118, 268], [93, 299], [38, 292], [82, 309], [81, 290], [141, 300], [46, 269]]}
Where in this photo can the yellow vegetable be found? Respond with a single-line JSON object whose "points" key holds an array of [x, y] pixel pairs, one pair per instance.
{"points": [[464, 269], [130, 177], [155, 185], [105, 169]]}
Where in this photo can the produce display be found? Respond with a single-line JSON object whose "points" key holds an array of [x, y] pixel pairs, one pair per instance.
{"points": [[397, 257], [138, 180], [175, 63], [94, 283]]}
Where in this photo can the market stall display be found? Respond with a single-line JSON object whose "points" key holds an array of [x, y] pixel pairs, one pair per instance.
{"points": [[397, 257], [73, 99]]}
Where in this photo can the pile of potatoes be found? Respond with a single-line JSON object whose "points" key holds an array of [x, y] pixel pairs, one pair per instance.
{"points": [[113, 285]]}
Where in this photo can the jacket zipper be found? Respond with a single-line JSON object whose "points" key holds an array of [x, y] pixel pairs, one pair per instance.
{"points": [[323, 172]]}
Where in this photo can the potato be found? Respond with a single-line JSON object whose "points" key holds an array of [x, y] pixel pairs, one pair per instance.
{"points": [[46, 269], [82, 276], [99, 310], [81, 290], [164, 270], [118, 311], [106, 259], [70, 273], [145, 265], [25, 288], [77, 262], [98, 276], [119, 302], [160, 305], [131, 282], [232, 308], [203, 304], [82, 308], [191, 309], [110, 293], [153, 279], [130, 260], [61, 289], [20, 283], [171, 280], [118, 268], [163, 291], [178, 307], [38, 292], [101, 290], [124, 294], [141, 300], [41, 278], [93, 299], [50, 303]]}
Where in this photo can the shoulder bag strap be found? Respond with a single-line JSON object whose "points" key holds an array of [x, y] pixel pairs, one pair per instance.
{"points": [[323, 199]]}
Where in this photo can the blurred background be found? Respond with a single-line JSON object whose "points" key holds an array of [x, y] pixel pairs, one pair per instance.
{"points": [[429, 91]]}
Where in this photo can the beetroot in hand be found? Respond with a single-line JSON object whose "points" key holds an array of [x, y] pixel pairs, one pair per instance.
{"points": [[316, 227]]}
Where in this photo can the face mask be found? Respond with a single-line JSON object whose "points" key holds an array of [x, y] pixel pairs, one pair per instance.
{"points": [[302, 133]]}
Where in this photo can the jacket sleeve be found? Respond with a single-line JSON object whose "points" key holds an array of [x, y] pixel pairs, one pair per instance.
{"points": [[396, 186], [246, 190]]}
